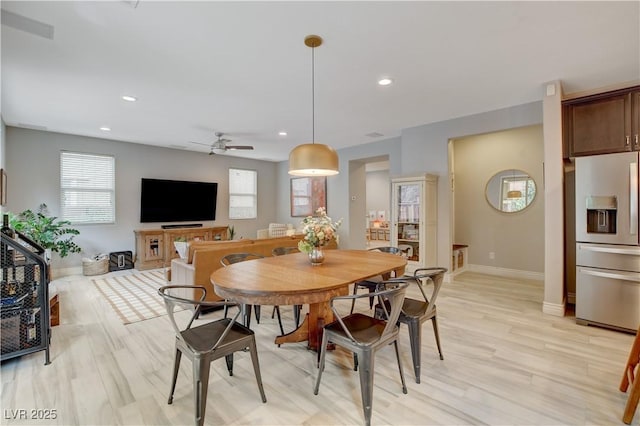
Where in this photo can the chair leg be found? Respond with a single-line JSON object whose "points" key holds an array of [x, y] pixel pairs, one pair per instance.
{"points": [[256, 309], [434, 322], [323, 353], [256, 368], [366, 384], [229, 360], [277, 309], [404, 385], [246, 315], [415, 338], [353, 301], [355, 361], [632, 402], [200, 386], [176, 368], [371, 290], [296, 314]]}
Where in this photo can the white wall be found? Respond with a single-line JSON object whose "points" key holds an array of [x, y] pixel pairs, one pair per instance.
{"points": [[517, 239], [33, 163]]}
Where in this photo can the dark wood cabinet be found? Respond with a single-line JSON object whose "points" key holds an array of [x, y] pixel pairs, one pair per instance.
{"points": [[603, 123]]}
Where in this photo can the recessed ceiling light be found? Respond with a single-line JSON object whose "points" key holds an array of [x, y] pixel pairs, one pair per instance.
{"points": [[129, 98], [385, 81], [105, 129], [282, 133]]}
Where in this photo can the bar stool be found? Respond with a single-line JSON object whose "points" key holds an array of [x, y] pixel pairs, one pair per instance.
{"points": [[629, 378]]}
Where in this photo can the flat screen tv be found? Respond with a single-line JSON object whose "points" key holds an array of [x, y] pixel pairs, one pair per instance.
{"points": [[177, 200]]}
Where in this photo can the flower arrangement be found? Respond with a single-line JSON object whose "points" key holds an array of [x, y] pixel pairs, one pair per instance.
{"points": [[318, 231]]}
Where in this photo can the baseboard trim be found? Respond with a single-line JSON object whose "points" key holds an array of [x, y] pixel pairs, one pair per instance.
{"points": [[65, 272], [555, 309], [505, 272]]}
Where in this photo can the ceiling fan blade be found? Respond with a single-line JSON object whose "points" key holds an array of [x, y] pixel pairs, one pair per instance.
{"points": [[200, 143], [239, 147]]}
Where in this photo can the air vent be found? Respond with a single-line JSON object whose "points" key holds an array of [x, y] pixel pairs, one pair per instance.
{"points": [[374, 135], [27, 25]]}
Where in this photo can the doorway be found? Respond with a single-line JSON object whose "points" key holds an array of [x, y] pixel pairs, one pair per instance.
{"points": [[370, 205]]}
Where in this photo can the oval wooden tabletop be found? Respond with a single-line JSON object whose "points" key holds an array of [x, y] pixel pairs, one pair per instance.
{"points": [[291, 279]]}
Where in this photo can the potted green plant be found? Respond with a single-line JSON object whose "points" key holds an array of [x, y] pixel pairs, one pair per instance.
{"points": [[52, 234]]}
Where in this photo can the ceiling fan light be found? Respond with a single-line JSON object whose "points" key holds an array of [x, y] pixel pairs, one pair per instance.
{"points": [[313, 159], [218, 150]]}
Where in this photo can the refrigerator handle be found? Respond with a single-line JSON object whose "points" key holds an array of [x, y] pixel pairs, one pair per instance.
{"points": [[633, 198], [612, 275]]}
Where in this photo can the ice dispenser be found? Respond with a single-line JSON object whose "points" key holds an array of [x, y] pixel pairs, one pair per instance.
{"points": [[601, 214]]}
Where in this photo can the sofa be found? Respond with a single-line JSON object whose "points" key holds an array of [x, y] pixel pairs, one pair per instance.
{"points": [[204, 257]]}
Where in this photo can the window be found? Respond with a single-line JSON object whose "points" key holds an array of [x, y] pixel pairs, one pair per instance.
{"points": [[243, 194], [87, 187]]}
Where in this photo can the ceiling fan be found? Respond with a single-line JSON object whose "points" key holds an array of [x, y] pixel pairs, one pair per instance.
{"points": [[220, 146]]}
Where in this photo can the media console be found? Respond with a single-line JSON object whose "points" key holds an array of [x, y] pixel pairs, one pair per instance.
{"points": [[154, 247]]}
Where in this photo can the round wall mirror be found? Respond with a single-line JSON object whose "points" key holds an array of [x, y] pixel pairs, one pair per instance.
{"points": [[510, 190]]}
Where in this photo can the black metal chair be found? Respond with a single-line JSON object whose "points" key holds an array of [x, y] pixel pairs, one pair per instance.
{"points": [[241, 257], [371, 283], [365, 335], [415, 312], [280, 251], [205, 343]]}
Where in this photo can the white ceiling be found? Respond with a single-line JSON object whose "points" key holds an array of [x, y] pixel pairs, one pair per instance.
{"points": [[242, 68]]}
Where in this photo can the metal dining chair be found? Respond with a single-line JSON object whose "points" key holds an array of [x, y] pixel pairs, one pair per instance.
{"points": [[241, 257], [364, 335], [280, 251], [415, 312], [203, 344], [371, 283]]}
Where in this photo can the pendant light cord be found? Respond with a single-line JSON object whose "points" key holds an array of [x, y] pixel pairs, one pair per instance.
{"points": [[313, 98]]}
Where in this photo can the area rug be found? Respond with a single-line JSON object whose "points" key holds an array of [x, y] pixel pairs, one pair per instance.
{"points": [[134, 297]]}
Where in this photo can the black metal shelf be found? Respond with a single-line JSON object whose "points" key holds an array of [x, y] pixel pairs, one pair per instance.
{"points": [[24, 298]]}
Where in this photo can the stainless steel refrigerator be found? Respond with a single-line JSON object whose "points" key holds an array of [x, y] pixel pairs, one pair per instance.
{"points": [[607, 242]]}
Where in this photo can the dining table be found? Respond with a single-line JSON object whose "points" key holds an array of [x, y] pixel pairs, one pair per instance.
{"points": [[292, 280]]}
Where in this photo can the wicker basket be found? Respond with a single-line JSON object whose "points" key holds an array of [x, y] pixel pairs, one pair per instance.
{"points": [[95, 266]]}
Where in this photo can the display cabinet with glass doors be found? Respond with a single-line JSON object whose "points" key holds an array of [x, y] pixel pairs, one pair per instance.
{"points": [[414, 219]]}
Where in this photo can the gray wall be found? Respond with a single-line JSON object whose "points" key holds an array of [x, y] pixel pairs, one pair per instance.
{"points": [[421, 149], [33, 169], [378, 192], [32, 162], [517, 239]]}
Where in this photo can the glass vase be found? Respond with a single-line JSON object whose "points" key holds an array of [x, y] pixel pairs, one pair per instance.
{"points": [[316, 256]]}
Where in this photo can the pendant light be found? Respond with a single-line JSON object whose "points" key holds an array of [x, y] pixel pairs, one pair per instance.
{"points": [[313, 159], [514, 193]]}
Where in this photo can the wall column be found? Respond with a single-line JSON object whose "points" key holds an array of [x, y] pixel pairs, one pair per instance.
{"points": [[554, 296]]}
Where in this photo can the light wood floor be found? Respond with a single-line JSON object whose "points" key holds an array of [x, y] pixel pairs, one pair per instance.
{"points": [[505, 363]]}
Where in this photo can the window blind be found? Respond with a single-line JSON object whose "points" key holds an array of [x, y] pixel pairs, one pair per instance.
{"points": [[87, 187]]}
